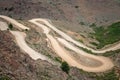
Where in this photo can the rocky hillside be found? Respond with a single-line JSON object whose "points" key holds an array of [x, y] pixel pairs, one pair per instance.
{"points": [[77, 11], [16, 65]]}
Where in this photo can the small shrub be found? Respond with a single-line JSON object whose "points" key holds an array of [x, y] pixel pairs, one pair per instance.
{"points": [[58, 59], [82, 23], [11, 9], [10, 26], [93, 25], [65, 67], [76, 6], [80, 41], [26, 29], [5, 9], [94, 43]]}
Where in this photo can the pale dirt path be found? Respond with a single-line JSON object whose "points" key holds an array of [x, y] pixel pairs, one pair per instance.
{"points": [[20, 39], [68, 38], [106, 62], [65, 36], [3, 26], [12, 21]]}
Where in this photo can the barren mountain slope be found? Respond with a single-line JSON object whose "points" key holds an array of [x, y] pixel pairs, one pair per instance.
{"points": [[71, 10]]}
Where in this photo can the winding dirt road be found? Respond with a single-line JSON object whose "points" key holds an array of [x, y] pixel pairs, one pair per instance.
{"points": [[20, 38], [106, 63], [3, 26], [68, 38], [13, 21]]}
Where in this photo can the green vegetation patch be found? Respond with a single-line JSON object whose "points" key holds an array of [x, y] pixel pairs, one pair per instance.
{"points": [[4, 78], [10, 26], [107, 36], [108, 76], [58, 59], [111, 53], [65, 67], [88, 51]]}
